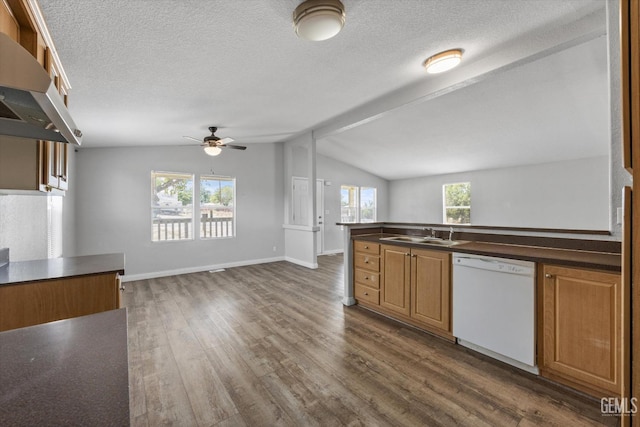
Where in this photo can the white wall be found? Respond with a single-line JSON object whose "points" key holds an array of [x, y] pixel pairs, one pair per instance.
{"points": [[568, 195], [113, 206], [338, 174]]}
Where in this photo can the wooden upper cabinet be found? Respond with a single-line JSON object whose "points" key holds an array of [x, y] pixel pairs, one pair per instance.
{"points": [[630, 66], [581, 329], [48, 167], [8, 23]]}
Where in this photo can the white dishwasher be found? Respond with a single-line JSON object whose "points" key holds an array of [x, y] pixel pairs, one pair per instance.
{"points": [[494, 308]]}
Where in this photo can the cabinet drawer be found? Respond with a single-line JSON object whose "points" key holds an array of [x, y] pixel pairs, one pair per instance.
{"points": [[368, 247], [364, 293], [368, 262], [367, 278]]}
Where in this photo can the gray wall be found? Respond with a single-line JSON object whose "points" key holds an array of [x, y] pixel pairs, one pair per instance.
{"points": [[573, 195], [113, 206]]}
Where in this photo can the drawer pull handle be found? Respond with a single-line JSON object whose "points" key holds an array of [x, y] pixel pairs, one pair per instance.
{"points": [[548, 276]]}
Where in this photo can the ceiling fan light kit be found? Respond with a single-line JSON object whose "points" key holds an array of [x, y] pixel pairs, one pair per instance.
{"points": [[318, 20], [443, 61], [213, 145], [212, 150]]}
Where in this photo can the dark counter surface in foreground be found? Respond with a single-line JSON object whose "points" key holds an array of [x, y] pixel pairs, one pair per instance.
{"points": [[71, 372], [57, 268]]}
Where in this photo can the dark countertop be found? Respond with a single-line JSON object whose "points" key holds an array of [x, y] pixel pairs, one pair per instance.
{"points": [[56, 268], [566, 257], [72, 372]]}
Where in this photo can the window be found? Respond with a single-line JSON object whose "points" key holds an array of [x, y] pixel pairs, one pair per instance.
{"points": [[367, 204], [217, 207], [457, 203], [171, 206], [358, 204], [349, 203]]}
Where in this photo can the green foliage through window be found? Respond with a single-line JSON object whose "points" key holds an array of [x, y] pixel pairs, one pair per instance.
{"points": [[457, 203]]}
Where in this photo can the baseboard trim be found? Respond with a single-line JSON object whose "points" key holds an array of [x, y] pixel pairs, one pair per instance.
{"points": [[332, 252], [164, 273], [302, 263]]}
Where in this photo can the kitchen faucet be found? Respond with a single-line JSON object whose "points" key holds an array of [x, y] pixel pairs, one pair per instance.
{"points": [[430, 231], [450, 233]]}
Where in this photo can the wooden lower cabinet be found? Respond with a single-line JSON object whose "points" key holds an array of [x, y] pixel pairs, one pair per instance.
{"points": [[415, 287], [32, 303], [431, 288], [366, 272], [579, 329], [396, 279]]}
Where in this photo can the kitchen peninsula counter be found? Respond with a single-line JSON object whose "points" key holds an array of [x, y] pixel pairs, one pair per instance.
{"points": [[41, 291], [559, 256], [59, 268], [70, 372]]}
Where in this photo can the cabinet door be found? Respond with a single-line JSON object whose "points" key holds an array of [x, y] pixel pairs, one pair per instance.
{"points": [[8, 23], [396, 279], [430, 288], [50, 164], [62, 155], [582, 327]]}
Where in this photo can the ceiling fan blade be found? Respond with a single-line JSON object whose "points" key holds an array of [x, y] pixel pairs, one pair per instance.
{"points": [[195, 139], [225, 140], [235, 147]]}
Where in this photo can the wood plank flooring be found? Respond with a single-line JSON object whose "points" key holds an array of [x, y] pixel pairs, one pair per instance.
{"points": [[272, 345]]}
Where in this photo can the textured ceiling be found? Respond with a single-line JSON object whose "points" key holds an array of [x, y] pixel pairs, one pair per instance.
{"points": [[146, 72]]}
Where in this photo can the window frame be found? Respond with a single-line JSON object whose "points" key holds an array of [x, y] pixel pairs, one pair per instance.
{"points": [[445, 207], [355, 206], [362, 208], [234, 211], [180, 175], [358, 204]]}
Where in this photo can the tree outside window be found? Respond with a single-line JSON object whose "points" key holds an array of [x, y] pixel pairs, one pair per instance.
{"points": [[457, 203]]}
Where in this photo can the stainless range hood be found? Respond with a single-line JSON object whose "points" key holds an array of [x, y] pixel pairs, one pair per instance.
{"points": [[30, 105]]}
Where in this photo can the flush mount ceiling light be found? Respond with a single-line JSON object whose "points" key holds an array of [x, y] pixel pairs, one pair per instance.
{"points": [[318, 20], [443, 61], [212, 150]]}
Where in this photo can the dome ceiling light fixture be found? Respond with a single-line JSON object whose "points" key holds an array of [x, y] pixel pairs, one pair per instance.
{"points": [[212, 150], [443, 61], [318, 20]]}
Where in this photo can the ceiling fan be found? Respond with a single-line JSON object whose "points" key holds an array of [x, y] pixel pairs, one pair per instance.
{"points": [[213, 145]]}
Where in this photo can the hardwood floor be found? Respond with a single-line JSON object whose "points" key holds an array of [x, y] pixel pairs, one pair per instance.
{"points": [[272, 344]]}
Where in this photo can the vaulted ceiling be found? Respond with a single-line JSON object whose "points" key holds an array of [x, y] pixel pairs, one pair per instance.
{"points": [[534, 75]]}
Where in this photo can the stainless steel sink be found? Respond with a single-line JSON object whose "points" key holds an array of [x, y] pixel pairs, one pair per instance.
{"points": [[424, 240]]}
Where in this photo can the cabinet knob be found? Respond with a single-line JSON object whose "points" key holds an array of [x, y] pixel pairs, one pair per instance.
{"points": [[414, 255], [366, 293], [366, 277], [407, 254], [366, 247], [548, 276], [121, 286]]}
